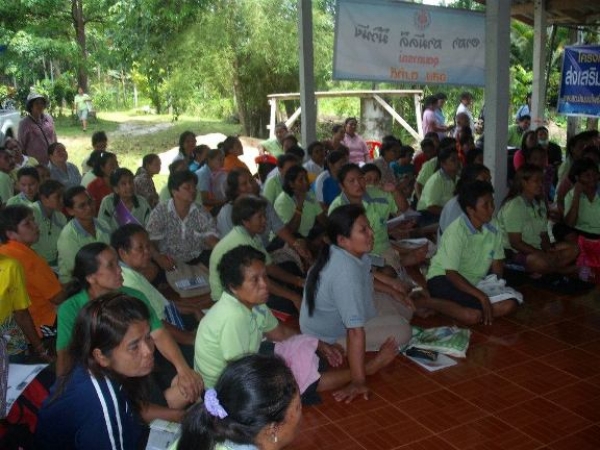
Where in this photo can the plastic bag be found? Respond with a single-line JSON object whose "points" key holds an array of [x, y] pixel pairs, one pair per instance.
{"points": [[451, 341]]}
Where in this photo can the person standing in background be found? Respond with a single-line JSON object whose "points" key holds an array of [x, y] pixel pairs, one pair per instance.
{"points": [[36, 130], [81, 106]]}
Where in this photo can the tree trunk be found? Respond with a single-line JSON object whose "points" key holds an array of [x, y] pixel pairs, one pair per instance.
{"points": [[79, 26]]}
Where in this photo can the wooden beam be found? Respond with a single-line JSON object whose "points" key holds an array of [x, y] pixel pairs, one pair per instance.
{"points": [[396, 116], [360, 93]]}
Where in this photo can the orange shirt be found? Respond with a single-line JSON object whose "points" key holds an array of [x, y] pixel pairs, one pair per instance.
{"points": [[42, 284], [233, 162]]}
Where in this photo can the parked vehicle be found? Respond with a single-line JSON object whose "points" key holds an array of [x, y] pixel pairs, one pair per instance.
{"points": [[9, 121]]}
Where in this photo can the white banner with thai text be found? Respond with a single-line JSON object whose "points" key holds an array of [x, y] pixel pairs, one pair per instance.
{"points": [[377, 40]]}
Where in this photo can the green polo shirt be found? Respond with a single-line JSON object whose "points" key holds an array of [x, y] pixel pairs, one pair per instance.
{"points": [[70, 241], [19, 199], [228, 331], [378, 210], [273, 146], [438, 190], [466, 250], [50, 229], [135, 280], [520, 216], [427, 169], [236, 237], [69, 309], [285, 206], [141, 212], [515, 136], [588, 217], [273, 187]]}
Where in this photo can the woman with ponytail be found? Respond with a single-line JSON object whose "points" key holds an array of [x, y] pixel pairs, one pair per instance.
{"points": [[254, 405], [339, 305]]}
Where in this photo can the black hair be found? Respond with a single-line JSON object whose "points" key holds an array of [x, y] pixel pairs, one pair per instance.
{"points": [[177, 166], [441, 96], [472, 155], [430, 100], [86, 263], [581, 166], [345, 170], [444, 155], [405, 150], [199, 149], [466, 138], [466, 95], [285, 158], [233, 183], [370, 167], [526, 134], [292, 138], [433, 136], [254, 390], [178, 178], [120, 239], [233, 264], [471, 192], [339, 223], [99, 136], [149, 159], [10, 217], [182, 137], [336, 128], [427, 142], [297, 151], [114, 179], [28, 171], [448, 142], [350, 119], [334, 157], [524, 117], [102, 324], [245, 207], [390, 138], [290, 177], [52, 147], [49, 187], [228, 144], [468, 174], [312, 146], [524, 173], [71, 193], [99, 164], [214, 153], [388, 146]]}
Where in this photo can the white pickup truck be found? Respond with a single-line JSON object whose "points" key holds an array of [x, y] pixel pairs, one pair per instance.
{"points": [[9, 121]]}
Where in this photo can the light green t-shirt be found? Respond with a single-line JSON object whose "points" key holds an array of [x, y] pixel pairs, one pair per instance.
{"points": [[228, 331], [19, 199], [135, 280], [438, 190], [68, 310], [236, 237], [50, 229], [108, 215], [273, 147], [466, 250], [273, 187], [81, 101], [7, 187], [378, 210], [285, 206], [70, 241], [588, 217], [520, 216], [427, 169]]}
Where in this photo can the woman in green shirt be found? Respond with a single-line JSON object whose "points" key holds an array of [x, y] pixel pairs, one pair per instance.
{"points": [[582, 203], [523, 218]]}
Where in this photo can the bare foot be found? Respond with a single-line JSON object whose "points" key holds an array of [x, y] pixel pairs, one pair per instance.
{"points": [[387, 353]]}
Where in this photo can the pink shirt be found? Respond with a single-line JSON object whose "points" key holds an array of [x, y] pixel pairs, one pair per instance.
{"points": [[36, 137], [359, 153], [429, 121]]}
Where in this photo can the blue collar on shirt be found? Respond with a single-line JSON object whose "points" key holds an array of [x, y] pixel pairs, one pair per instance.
{"points": [[474, 230]]}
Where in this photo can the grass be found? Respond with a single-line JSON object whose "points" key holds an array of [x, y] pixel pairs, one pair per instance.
{"points": [[130, 148]]}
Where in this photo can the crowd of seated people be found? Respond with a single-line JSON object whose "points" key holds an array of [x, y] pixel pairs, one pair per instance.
{"points": [[88, 261]]}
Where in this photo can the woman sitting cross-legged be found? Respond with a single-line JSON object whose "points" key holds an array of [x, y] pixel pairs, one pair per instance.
{"points": [[97, 272], [254, 405], [98, 402], [339, 305], [236, 325], [470, 246], [582, 203], [248, 215], [123, 206], [523, 219]]}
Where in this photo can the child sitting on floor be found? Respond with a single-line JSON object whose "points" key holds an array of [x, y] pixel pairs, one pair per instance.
{"points": [[468, 249]]}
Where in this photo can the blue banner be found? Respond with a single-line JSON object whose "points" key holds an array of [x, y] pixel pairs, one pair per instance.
{"points": [[379, 40], [580, 82]]}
